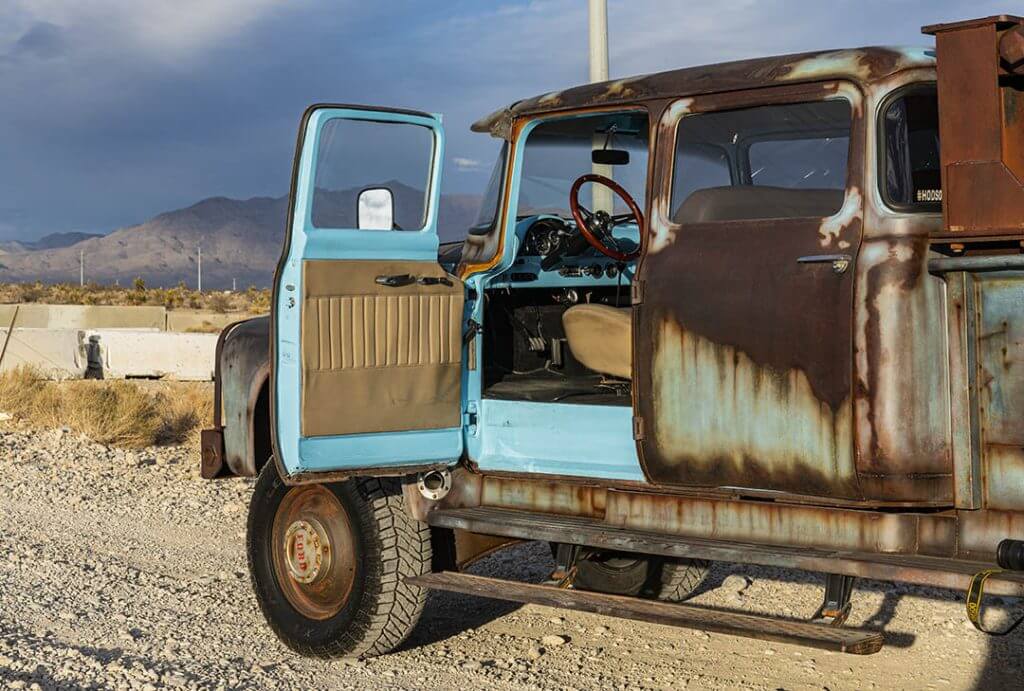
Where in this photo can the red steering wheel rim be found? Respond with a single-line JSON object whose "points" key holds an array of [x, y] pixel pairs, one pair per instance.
{"points": [[595, 242]]}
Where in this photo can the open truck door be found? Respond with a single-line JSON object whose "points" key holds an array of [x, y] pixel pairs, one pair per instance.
{"points": [[366, 325]]}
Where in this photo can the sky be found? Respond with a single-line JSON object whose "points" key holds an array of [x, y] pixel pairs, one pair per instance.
{"points": [[112, 111]]}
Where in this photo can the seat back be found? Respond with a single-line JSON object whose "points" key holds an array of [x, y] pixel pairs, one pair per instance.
{"points": [[746, 202]]}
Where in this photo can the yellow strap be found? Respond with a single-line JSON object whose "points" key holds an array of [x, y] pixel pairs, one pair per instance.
{"points": [[975, 596]]}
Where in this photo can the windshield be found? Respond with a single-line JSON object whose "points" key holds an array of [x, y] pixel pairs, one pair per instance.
{"points": [[492, 197], [559, 151]]}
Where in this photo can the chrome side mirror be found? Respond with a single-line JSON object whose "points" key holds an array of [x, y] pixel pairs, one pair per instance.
{"points": [[375, 209]]}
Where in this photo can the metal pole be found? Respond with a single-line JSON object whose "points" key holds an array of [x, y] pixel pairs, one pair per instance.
{"points": [[600, 195], [10, 330], [598, 40], [199, 270], [81, 268]]}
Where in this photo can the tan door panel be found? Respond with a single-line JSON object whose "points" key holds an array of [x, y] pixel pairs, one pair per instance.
{"points": [[377, 358]]}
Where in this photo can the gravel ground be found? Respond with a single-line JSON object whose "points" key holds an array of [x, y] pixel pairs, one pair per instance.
{"points": [[125, 570]]}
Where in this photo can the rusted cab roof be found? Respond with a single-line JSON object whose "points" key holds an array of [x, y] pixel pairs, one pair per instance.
{"points": [[862, 65]]}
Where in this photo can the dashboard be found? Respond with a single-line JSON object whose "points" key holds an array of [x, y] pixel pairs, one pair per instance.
{"points": [[552, 253]]}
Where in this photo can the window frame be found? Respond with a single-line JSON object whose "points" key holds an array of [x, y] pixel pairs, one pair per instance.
{"points": [[704, 104], [882, 151], [429, 212]]}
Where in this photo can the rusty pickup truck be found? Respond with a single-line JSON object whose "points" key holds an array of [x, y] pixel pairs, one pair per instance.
{"points": [[749, 312]]}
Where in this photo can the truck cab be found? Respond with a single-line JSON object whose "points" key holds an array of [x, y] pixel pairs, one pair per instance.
{"points": [[748, 312]]}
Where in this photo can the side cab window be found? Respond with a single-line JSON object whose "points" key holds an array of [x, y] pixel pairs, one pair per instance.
{"points": [[775, 161]]}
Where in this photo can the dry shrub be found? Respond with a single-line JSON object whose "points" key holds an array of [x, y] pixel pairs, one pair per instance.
{"points": [[252, 301], [21, 391], [114, 413], [219, 302], [184, 411]]}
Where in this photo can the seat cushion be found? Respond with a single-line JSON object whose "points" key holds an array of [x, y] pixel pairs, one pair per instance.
{"points": [[600, 337]]}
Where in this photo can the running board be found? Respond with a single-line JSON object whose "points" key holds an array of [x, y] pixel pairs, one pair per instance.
{"points": [[856, 642], [938, 572]]}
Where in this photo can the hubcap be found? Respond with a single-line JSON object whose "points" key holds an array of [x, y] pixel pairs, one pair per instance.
{"points": [[306, 548], [313, 551]]}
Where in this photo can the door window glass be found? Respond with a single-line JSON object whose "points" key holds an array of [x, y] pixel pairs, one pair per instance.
{"points": [[355, 155], [765, 162]]}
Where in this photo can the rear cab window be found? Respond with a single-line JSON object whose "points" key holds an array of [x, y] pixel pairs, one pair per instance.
{"points": [[910, 171], [763, 162]]}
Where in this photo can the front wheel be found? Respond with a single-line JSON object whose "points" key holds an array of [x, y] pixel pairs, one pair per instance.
{"points": [[328, 563]]}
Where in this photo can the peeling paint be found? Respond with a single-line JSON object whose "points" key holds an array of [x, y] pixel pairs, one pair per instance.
{"points": [[729, 421], [550, 99], [852, 210]]}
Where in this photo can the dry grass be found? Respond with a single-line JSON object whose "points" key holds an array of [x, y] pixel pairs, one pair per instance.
{"points": [[115, 413], [253, 300]]}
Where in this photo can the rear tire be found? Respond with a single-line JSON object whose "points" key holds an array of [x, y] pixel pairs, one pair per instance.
{"points": [[328, 564], [680, 578], [670, 580]]}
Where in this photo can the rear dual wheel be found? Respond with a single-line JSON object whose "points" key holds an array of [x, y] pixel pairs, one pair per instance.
{"points": [[328, 563]]}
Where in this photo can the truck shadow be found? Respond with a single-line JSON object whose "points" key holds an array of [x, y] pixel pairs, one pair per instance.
{"points": [[449, 614]]}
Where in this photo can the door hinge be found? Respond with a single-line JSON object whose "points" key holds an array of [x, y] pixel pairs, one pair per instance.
{"points": [[636, 292], [638, 428], [469, 418]]}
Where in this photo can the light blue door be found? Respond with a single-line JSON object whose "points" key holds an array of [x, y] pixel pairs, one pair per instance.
{"points": [[367, 337]]}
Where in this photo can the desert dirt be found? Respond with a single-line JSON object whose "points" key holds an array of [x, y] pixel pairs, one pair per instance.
{"points": [[123, 569]]}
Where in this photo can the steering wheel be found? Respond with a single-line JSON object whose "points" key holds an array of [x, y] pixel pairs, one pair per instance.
{"points": [[596, 226]]}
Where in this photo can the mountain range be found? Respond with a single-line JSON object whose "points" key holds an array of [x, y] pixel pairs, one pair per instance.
{"points": [[240, 239]]}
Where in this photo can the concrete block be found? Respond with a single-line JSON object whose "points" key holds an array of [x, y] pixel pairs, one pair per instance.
{"points": [[55, 353], [205, 321], [125, 353], [41, 316]]}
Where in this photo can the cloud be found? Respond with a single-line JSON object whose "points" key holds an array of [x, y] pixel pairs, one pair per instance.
{"points": [[42, 40], [159, 29]]}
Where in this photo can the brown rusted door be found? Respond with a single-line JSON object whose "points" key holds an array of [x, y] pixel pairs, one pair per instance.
{"points": [[743, 343]]}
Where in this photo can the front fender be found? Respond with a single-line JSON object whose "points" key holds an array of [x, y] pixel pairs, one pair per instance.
{"points": [[243, 371]]}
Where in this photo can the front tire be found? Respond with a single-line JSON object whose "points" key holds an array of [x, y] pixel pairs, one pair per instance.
{"points": [[328, 563]]}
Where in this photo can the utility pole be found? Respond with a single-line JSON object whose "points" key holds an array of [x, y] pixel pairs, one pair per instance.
{"points": [[199, 269], [81, 268], [601, 195], [598, 41]]}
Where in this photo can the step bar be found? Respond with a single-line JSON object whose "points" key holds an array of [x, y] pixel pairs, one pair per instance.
{"points": [[837, 639], [954, 574]]}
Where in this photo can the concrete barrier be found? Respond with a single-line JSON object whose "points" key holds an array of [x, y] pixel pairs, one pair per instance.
{"points": [[122, 353], [55, 353], [40, 316], [205, 321]]}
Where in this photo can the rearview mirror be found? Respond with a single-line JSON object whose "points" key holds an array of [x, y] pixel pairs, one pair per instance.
{"points": [[610, 157], [375, 209]]}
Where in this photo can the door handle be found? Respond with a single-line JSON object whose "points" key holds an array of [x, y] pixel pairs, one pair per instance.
{"points": [[399, 280], [840, 262], [396, 281]]}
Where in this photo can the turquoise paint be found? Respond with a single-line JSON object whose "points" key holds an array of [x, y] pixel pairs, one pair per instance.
{"points": [[381, 450], [358, 450], [515, 436], [594, 441], [545, 438]]}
